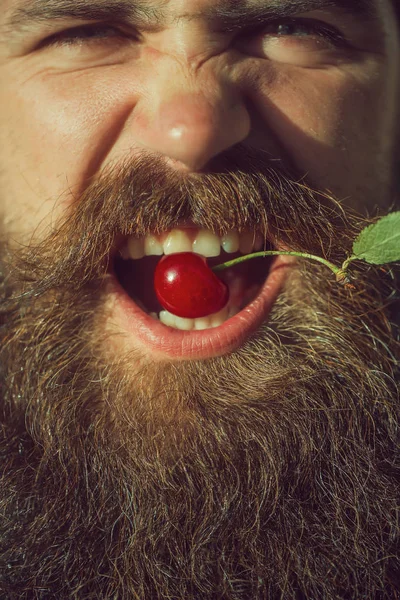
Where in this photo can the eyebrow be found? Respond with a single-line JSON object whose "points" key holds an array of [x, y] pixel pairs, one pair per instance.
{"points": [[242, 16], [230, 15], [38, 11]]}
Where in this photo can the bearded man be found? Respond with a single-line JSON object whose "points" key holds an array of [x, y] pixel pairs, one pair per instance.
{"points": [[250, 454]]}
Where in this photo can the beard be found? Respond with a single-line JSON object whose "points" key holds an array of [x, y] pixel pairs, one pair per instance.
{"points": [[271, 472]]}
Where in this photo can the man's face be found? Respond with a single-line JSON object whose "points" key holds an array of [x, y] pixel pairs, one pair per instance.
{"points": [[248, 454]]}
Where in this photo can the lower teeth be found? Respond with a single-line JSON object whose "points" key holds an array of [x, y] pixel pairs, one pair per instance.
{"points": [[210, 322]]}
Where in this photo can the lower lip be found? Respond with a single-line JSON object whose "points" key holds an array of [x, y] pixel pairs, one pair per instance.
{"points": [[167, 343]]}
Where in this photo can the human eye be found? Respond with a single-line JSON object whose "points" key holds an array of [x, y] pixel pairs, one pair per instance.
{"points": [[299, 41], [305, 28], [87, 37]]}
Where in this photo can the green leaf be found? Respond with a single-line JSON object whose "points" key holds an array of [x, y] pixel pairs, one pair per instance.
{"points": [[379, 243]]}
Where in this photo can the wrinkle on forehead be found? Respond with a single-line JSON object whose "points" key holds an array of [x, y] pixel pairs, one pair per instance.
{"points": [[156, 9]]}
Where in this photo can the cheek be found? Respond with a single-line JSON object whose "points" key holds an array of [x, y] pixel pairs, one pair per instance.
{"points": [[57, 129], [325, 121]]}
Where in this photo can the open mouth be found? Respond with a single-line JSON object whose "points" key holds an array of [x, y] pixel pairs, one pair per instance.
{"points": [[135, 265]]}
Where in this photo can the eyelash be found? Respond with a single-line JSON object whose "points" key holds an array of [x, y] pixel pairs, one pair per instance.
{"points": [[90, 32], [314, 28], [85, 33]]}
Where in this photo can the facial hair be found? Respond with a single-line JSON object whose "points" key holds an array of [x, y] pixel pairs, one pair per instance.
{"points": [[272, 472]]}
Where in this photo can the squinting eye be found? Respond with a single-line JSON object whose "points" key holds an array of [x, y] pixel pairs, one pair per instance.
{"points": [[304, 28], [86, 34], [299, 33], [302, 42]]}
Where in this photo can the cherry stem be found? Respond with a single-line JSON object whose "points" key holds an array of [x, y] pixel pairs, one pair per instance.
{"points": [[340, 272]]}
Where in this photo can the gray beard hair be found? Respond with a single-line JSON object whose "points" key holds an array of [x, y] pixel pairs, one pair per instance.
{"points": [[270, 473]]}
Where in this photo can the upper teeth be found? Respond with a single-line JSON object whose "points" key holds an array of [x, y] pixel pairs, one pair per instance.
{"points": [[200, 241]]}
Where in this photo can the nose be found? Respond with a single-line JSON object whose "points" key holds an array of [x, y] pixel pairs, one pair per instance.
{"points": [[190, 123]]}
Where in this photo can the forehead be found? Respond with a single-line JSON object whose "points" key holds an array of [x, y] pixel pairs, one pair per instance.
{"points": [[164, 7]]}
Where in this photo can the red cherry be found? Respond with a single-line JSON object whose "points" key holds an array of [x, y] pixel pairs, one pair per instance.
{"points": [[186, 286]]}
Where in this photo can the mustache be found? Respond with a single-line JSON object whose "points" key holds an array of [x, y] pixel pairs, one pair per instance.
{"points": [[243, 188]]}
